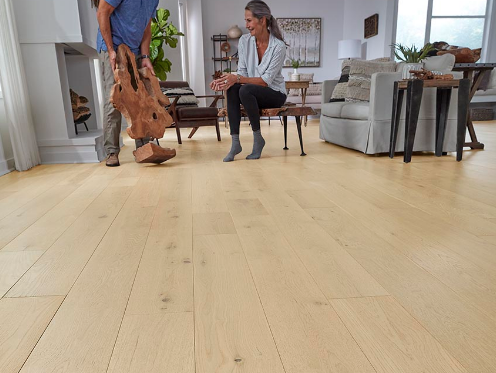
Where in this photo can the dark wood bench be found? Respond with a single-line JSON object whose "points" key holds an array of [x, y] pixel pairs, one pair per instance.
{"points": [[296, 111]]}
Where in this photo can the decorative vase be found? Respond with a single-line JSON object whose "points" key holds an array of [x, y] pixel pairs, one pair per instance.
{"points": [[295, 75], [411, 66], [234, 32]]}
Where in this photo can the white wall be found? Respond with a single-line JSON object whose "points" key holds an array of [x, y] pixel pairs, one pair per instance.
{"points": [[195, 50], [48, 21], [173, 54], [89, 23], [219, 15], [355, 12]]}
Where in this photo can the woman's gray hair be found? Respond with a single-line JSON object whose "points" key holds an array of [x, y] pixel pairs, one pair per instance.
{"points": [[260, 10]]}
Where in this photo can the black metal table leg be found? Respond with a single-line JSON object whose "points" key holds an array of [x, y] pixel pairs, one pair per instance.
{"points": [[443, 97], [414, 98], [298, 126], [463, 102], [285, 120], [395, 118]]}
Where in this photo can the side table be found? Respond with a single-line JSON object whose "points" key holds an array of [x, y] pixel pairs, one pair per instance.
{"points": [[474, 72], [414, 89], [299, 84]]}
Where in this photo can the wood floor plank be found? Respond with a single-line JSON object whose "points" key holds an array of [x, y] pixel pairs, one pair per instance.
{"points": [[82, 335], [206, 187], [155, 344], [14, 224], [464, 331], [309, 334], [164, 282], [333, 268], [13, 266], [57, 270], [47, 229], [392, 339], [23, 322], [213, 223], [232, 334]]}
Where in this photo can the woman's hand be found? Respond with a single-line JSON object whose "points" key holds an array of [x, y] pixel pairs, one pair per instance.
{"points": [[225, 82]]}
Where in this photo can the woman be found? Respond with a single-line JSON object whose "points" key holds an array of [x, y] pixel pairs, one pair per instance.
{"points": [[259, 83]]}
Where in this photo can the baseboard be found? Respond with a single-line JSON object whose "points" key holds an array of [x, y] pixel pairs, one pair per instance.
{"points": [[7, 166]]}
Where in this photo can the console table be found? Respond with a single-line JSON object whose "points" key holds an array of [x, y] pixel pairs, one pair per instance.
{"points": [[474, 72], [414, 89]]}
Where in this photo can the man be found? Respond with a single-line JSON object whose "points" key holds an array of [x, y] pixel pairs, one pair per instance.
{"points": [[121, 22]]}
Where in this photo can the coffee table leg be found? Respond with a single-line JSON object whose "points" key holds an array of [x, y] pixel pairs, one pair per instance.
{"points": [[413, 100], [443, 97], [285, 123], [463, 101], [298, 126]]}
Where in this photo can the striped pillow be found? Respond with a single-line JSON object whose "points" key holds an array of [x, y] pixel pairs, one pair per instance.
{"points": [[187, 95], [339, 92], [358, 89]]}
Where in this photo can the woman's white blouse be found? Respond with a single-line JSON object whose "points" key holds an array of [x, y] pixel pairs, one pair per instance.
{"points": [[270, 68]]}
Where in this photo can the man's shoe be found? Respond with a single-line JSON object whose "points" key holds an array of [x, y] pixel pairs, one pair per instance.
{"points": [[112, 160]]}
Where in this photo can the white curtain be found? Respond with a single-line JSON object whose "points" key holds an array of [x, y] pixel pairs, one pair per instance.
{"points": [[17, 105]]}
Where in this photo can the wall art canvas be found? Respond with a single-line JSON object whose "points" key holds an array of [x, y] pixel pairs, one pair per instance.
{"points": [[303, 37], [371, 27]]}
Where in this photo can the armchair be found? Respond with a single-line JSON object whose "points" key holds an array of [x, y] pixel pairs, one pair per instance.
{"points": [[192, 116]]}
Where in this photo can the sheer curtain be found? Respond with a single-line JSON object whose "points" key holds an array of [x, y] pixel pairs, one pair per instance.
{"points": [[17, 105]]}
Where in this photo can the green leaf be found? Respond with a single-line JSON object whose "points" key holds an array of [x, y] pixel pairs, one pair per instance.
{"points": [[162, 15]]}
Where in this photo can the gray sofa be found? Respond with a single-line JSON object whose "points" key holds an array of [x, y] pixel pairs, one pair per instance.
{"points": [[366, 126]]}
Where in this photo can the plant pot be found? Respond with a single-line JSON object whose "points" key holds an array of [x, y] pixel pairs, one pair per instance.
{"points": [[295, 77], [410, 66]]}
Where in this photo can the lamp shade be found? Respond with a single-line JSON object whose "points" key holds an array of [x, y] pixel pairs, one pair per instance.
{"points": [[351, 48]]}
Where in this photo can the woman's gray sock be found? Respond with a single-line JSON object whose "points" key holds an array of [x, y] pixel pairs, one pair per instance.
{"points": [[258, 145], [235, 149]]}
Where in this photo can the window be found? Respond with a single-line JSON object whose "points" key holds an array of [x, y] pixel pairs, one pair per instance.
{"points": [[457, 22]]}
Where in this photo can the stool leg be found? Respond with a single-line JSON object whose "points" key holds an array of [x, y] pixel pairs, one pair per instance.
{"points": [[298, 126], [414, 98], [395, 118], [75, 127], [463, 101], [443, 97], [285, 120]]}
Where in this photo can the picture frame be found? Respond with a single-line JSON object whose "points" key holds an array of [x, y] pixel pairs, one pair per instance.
{"points": [[303, 36], [371, 26]]}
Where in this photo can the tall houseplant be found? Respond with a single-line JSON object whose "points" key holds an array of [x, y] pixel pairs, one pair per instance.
{"points": [[411, 56], [162, 32]]}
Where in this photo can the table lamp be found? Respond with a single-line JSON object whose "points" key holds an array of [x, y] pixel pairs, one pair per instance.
{"points": [[350, 48]]}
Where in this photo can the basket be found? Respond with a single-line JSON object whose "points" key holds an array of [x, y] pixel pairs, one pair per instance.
{"points": [[481, 114]]}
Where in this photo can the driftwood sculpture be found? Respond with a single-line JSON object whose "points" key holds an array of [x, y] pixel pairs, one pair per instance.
{"points": [[463, 55], [137, 95], [424, 74]]}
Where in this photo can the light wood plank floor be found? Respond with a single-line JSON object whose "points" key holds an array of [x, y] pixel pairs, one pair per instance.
{"points": [[334, 262]]}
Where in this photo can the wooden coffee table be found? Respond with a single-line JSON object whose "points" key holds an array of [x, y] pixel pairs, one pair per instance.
{"points": [[299, 84]]}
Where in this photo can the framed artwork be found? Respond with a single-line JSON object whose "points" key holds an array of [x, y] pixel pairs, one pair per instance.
{"points": [[303, 38], [371, 27]]}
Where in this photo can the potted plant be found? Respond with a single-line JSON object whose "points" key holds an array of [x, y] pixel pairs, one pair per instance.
{"points": [[162, 32], [411, 56], [295, 64]]}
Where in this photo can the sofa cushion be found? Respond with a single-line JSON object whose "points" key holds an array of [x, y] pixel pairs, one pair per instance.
{"points": [[339, 92], [332, 109], [360, 77], [355, 110], [184, 113]]}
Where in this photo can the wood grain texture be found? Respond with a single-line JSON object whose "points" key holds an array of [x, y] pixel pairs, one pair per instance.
{"points": [[232, 334], [13, 266], [23, 322], [155, 344]]}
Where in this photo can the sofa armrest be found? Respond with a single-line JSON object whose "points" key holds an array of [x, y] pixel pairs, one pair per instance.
{"points": [[327, 88], [381, 95]]}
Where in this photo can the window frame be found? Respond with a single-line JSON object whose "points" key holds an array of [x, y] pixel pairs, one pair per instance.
{"points": [[428, 24]]}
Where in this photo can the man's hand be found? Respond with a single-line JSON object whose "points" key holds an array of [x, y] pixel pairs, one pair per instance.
{"points": [[112, 58], [145, 62]]}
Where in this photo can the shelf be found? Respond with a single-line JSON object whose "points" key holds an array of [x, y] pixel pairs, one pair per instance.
{"points": [[226, 59]]}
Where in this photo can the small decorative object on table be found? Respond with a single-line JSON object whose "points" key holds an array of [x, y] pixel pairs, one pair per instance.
{"points": [[295, 64], [412, 56], [424, 74]]}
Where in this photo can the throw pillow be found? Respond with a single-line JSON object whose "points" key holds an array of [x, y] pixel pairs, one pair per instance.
{"points": [[187, 95], [360, 76], [339, 92], [315, 89]]}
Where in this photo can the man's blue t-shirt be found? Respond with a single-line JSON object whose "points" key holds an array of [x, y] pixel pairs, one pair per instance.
{"points": [[128, 23]]}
